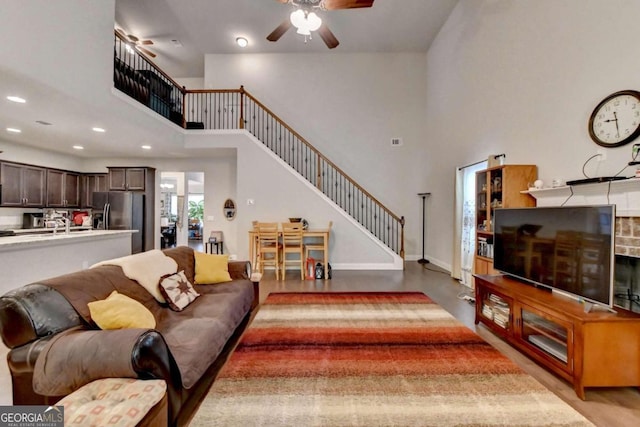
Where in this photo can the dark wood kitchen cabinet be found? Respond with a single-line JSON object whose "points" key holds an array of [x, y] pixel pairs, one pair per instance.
{"points": [[91, 183], [139, 179], [127, 179], [22, 185], [63, 189]]}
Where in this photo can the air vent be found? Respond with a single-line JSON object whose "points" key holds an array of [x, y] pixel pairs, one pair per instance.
{"points": [[42, 122], [396, 142]]}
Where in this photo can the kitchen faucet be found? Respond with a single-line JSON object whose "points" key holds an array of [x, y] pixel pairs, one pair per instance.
{"points": [[67, 225]]}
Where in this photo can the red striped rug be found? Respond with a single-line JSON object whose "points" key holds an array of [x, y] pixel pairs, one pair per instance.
{"points": [[372, 359]]}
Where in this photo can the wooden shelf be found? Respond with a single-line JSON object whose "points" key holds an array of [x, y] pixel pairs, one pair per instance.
{"points": [[498, 187]]}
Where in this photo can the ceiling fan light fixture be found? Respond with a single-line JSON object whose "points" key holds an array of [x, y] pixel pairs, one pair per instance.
{"points": [[242, 42], [297, 18], [314, 21], [305, 22]]}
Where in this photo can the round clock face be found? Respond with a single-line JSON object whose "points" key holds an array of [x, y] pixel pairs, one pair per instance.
{"points": [[616, 120]]}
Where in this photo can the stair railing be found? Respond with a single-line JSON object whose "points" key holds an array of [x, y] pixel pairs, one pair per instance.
{"points": [[137, 76], [238, 109]]}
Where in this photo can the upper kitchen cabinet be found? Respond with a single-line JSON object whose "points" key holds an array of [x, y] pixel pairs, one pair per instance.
{"points": [[63, 189], [127, 179], [22, 185], [91, 183]]}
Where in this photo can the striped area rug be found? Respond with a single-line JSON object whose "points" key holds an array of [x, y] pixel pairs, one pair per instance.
{"points": [[372, 359]]}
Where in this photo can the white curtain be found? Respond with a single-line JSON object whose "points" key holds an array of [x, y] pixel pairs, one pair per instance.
{"points": [[465, 222]]}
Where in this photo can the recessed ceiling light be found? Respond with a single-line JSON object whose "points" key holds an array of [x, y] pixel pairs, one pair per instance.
{"points": [[242, 42], [98, 130], [146, 147], [13, 130], [14, 98], [78, 147]]}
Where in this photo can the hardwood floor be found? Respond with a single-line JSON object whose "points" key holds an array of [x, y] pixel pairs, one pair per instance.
{"points": [[605, 407], [618, 407]]}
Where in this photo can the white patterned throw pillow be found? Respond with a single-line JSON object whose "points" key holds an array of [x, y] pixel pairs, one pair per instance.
{"points": [[177, 290]]}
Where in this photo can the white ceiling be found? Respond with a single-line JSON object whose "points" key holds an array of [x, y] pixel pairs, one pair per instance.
{"points": [[211, 26], [202, 26]]}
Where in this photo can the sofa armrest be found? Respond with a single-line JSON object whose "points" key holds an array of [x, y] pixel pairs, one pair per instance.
{"points": [[33, 312], [58, 365], [78, 356], [240, 270]]}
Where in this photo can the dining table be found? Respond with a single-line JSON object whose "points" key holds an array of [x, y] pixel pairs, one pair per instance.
{"points": [[313, 235]]}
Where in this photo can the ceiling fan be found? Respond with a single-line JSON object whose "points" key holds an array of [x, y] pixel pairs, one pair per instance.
{"points": [[136, 43], [305, 19]]}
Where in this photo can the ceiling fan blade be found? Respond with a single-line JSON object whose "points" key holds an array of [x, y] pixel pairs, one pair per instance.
{"points": [[346, 4], [146, 51], [146, 42], [119, 31], [327, 36], [279, 31]]}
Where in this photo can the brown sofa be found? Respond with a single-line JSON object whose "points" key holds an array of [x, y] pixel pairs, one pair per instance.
{"points": [[51, 319]]}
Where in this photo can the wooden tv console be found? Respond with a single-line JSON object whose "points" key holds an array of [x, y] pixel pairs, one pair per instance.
{"points": [[589, 349]]}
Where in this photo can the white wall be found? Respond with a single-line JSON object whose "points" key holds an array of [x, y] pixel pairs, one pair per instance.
{"points": [[349, 106], [522, 78], [278, 193]]}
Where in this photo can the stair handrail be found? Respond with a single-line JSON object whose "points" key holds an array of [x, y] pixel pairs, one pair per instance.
{"points": [[320, 156], [241, 121]]}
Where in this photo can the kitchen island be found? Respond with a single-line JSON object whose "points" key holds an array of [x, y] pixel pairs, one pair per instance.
{"points": [[28, 257]]}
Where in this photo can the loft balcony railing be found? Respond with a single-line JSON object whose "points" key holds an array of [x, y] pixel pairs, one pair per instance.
{"points": [[138, 77]]}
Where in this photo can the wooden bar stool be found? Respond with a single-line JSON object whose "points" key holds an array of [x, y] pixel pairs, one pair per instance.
{"points": [[292, 244], [268, 246], [318, 247]]}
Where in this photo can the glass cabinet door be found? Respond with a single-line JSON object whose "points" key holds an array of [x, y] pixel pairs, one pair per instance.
{"points": [[552, 336]]}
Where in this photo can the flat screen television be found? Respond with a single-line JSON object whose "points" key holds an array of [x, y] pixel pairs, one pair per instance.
{"points": [[566, 248]]}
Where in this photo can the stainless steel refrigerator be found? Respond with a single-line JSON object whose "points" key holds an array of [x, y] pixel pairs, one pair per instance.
{"points": [[121, 210]]}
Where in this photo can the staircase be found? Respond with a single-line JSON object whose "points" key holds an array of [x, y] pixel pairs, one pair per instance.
{"points": [[238, 109]]}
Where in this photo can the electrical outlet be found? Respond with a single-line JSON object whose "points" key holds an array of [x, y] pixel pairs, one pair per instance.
{"points": [[602, 155]]}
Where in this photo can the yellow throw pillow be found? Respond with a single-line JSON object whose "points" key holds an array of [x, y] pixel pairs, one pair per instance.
{"points": [[119, 311], [211, 269]]}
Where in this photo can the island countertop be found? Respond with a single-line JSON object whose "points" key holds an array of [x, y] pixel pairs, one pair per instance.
{"points": [[43, 238], [28, 258]]}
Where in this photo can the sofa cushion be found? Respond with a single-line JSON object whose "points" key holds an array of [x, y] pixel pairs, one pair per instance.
{"points": [[198, 334], [211, 269], [183, 256], [119, 311], [177, 290]]}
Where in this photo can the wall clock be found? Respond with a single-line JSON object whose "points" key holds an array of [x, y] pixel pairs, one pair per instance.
{"points": [[616, 120]]}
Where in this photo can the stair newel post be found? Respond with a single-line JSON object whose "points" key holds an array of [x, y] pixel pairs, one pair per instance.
{"points": [[241, 124], [402, 238], [184, 99]]}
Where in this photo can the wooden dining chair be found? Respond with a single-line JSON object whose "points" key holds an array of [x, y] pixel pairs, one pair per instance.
{"points": [[269, 247], [317, 247], [292, 244]]}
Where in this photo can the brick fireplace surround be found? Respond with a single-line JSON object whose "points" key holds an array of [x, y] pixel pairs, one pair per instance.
{"points": [[628, 236], [627, 270]]}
